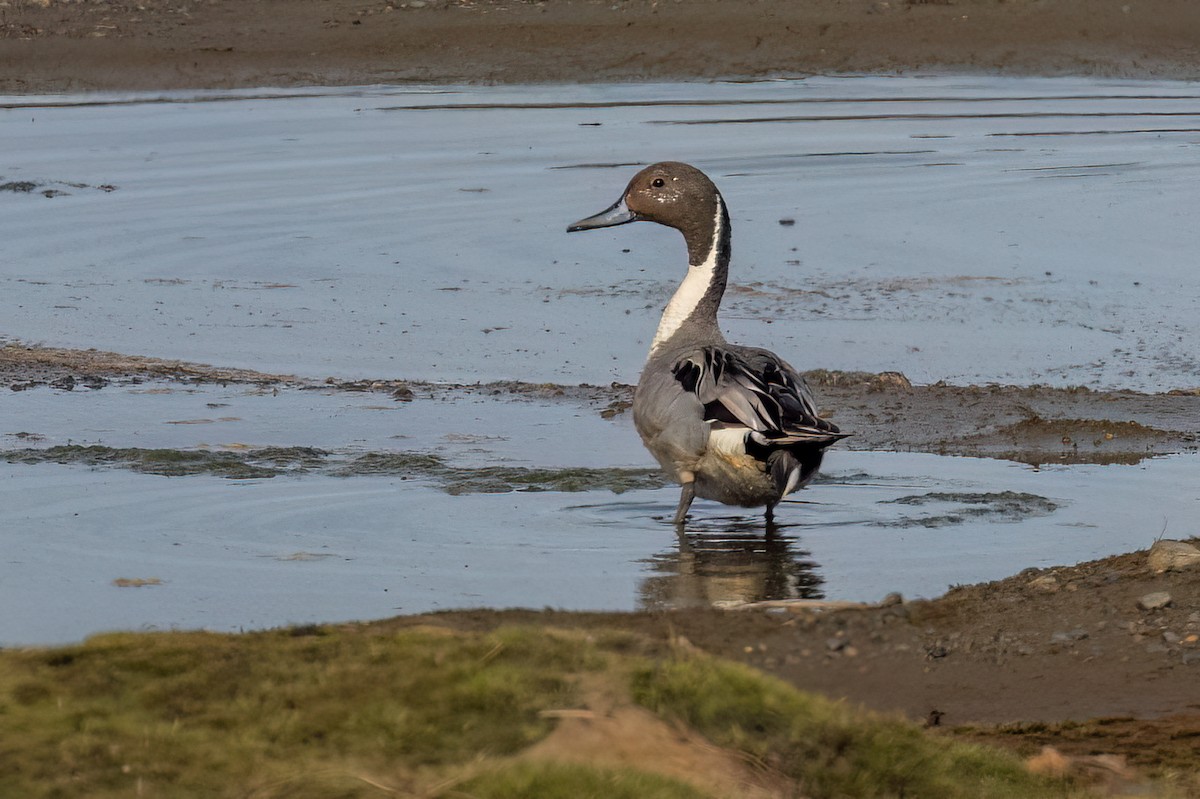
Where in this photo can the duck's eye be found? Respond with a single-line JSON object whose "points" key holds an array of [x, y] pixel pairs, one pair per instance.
{"points": [[658, 183]]}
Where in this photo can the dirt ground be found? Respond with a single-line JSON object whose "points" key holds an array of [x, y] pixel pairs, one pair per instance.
{"points": [[74, 45], [1066, 657]]}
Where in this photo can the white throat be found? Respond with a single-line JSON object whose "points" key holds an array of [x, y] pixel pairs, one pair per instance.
{"points": [[693, 288]]}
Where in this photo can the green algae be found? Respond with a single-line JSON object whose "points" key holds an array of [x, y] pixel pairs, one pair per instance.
{"points": [[266, 462], [269, 462], [1008, 506]]}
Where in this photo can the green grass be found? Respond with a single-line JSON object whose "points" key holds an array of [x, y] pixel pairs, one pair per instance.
{"points": [[363, 712], [190, 710], [830, 749]]}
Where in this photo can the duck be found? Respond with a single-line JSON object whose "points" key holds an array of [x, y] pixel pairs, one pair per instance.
{"points": [[730, 423]]}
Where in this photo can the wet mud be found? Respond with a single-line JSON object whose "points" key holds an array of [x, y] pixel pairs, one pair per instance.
{"points": [[1034, 425], [120, 44]]}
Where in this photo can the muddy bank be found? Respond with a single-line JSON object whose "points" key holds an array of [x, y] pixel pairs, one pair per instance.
{"points": [[52, 46], [1036, 425], [1014, 662]]}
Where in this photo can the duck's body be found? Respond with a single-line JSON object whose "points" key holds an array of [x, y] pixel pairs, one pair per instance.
{"points": [[729, 423], [698, 409]]}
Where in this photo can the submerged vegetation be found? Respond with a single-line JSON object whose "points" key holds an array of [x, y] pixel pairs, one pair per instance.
{"points": [[269, 462], [427, 711]]}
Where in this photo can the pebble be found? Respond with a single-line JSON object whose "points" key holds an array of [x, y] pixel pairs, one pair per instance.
{"points": [[1047, 583], [1171, 638], [1191, 658], [1078, 634], [1168, 555], [1155, 600]]}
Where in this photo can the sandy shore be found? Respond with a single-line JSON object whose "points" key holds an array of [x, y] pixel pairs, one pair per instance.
{"points": [[81, 45]]}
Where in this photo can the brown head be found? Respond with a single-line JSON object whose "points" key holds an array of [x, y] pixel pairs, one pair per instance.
{"points": [[670, 193]]}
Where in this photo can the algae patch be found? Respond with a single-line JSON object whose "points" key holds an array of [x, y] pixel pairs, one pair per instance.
{"points": [[266, 462], [1005, 506], [274, 461], [458, 480]]}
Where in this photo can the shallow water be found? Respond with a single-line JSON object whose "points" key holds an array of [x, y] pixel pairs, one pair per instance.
{"points": [[241, 554], [966, 229]]}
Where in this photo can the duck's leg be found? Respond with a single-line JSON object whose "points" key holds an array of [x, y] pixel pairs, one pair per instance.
{"points": [[770, 527], [686, 494]]}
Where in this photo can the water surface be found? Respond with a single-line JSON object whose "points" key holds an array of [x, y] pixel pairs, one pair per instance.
{"points": [[966, 229], [962, 229]]}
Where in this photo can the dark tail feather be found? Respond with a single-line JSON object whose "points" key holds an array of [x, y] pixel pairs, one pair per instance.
{"points": [[792, 470]]}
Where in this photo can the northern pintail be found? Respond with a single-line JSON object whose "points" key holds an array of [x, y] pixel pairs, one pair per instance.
{"points": [[730, 423]]}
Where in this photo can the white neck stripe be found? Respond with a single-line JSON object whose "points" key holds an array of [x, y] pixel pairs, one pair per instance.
{"points": [[693, 288]]}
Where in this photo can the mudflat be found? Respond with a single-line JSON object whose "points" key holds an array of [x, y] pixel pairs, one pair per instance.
{"points": [[1035, 425], [53, 46]]}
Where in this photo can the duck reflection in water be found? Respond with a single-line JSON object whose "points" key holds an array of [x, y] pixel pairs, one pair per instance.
{"points": [[731, 559]]}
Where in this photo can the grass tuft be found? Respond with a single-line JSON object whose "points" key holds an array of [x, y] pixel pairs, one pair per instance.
{"points": [[182, 713], [830, 749]]}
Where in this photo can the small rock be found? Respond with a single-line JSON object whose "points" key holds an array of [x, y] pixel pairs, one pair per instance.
{"points": [[936, 651], [1171, 638], [1078, 634], [836, 644], [1047, 584], [1191, 658], [787, 222], [1155, 600], [1173, 556], [891, 599]]}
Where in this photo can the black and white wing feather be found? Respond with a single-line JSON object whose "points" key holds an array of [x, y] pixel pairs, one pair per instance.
{"points": [[754, 388]]}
